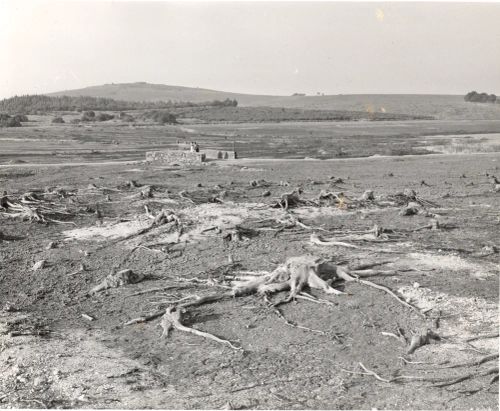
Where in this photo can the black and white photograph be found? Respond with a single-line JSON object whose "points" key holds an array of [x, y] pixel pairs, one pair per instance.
{"points": [[249, 205]]}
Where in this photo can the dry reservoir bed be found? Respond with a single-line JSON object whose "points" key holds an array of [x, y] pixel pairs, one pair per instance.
{"points": [[140, 286]]}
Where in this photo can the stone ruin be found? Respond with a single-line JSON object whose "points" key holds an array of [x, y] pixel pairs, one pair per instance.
{"points": [[184, 157]]}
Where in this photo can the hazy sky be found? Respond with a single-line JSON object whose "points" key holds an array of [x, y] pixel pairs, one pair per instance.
{"points": [[254, 47]]}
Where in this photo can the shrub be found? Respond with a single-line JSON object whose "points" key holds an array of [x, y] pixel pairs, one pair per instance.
{"points": [[58, 120], [161, 117], [104, 117], [21, 117], [165, 118], [476, 97], [75, 121], [126, 117], [8, 121]]}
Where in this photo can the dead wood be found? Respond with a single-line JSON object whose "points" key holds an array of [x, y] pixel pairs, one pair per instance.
{"points": [[438, 381], [172, 319], [373, 373], [131, 184], [154, 290], [259, 183], [469, 376], [118, 279], [238, 233], [409, 196], [482, 336], [305, 270], [343, 274], [366, 266], [315, 239], [204, 196], [318, 240], [146, 318], [147, 192], [288, 200], [33, 208], [434, 225], [409, 210], [422, 339], [39, 265], [301, 327], [367, 196], [479, 361], [339, 199]]}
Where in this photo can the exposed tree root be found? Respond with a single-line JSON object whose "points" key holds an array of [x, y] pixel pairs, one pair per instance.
{"points": [[118, 279], [373, 373], [304, 270], [480, 361], [146, 318], [154, 290], [422, 339], [469, 376], [172, 319], [33, 208], [483, 336], [343, 274], [315, 239], [293, 199], [301, 327], [437, 381], [293, 275]]}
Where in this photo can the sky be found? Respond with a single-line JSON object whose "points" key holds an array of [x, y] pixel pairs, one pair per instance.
{"points": [[276, 48]]}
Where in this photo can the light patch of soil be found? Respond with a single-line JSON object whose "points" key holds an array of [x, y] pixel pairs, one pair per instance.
{"points": [[108, 231], [462, 318], [478, 270]]}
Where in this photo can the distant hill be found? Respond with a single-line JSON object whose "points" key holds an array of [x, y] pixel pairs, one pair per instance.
{"points": [[438, 106]]}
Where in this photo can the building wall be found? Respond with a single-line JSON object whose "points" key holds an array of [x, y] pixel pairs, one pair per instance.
{"points": [[175, 157]]}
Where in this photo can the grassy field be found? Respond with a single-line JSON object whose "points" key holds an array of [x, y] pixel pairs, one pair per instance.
{"points": [[281, 114], [438, 106]]}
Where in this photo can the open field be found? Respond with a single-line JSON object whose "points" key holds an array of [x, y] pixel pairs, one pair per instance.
{"points": [[39, 141], [63, 347], [439, 106]]}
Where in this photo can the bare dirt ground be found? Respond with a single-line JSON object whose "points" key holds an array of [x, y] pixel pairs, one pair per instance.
{"points": [[62, 347]]}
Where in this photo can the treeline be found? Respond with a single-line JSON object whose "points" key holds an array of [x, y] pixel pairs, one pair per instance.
{"points": [[38, 104], [476, 97]]}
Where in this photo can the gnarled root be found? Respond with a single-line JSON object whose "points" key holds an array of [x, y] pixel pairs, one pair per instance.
{"points": [[419, 340], [344, 274], [172, 319]]}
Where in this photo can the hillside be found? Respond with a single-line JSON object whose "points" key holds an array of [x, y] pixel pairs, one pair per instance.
{"points": [[438, 106]]}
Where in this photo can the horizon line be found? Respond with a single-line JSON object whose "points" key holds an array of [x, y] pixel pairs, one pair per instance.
{"points": [[299, 94]]}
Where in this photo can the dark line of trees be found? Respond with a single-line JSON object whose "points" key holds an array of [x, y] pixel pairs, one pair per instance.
{"points": [[37, 104], [476, 97], [11, 121]]}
